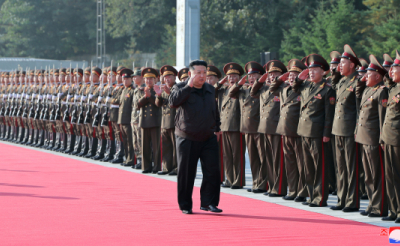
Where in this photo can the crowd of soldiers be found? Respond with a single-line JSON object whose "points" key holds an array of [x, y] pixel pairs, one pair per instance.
{"points": [[310, 128]]}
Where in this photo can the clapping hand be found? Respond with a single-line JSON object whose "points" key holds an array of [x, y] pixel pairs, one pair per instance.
{"points": [[157, 89], [147, 91]]}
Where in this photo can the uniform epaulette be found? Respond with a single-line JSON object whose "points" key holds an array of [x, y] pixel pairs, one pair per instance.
{"points": [[382, 87], [329, 84]]}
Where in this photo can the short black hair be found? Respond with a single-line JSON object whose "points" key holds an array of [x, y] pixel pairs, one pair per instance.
{"points": [[197, 63]]}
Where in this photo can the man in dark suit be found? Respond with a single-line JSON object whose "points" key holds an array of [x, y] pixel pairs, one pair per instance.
{"points": [[196, 121]]}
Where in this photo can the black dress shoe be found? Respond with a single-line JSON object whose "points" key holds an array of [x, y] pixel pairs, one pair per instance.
{"points": [[274, 195], [374, 215], [364, 197], [300, 199], [225, 185], [146, 171], [334, 193], [313, 205], [397, 220], [364, 213], [138, 166], [306, 203], [211, 208], [249, 190], [187, 211], [288, 198], [347, 210], [154, 172], [389, 218], [336, 208], [117, 161], [162, 173], [235, 187], [172, 173], [256, 191], [126, 164], [266, 193]]}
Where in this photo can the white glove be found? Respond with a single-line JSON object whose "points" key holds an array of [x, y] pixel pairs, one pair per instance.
{"points": [[90, 96], [40, 97], [33, 95], [53, 98], [76, 97], [100, 99], [59, 94], [27, 96], [108, 99], [83, 98], [68, 97]]}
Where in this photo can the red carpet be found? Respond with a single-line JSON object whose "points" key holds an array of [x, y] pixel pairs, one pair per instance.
{"points": [[46, 199]]}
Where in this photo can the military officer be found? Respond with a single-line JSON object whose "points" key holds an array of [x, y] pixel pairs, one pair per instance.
{"points": [[269, 113], [387, 63], [374, 98], [183, 74], [168, 144], [150, 122], [315, 126], [213, 75], [391, 139], [233, 142]]}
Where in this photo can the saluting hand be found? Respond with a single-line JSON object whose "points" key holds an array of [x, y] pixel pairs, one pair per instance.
{"points": [[364, 78], [303, 75], [284, 76], [191, 80], [157, 89], [263, 78], [243, 80], [223, 81]]}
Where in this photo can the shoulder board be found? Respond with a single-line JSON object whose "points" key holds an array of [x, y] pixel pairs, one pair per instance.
{"points": [[329, 84], [353, 78], [382, 87]]}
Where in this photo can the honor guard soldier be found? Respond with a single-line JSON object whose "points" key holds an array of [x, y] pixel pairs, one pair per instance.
{"points": [[82, 113], [124, 116], [29, 107], [53, 79], [291, 141], [136, 130], [38, 101], [391, 139], [80, 86], [2, 105], [150, 122], [344, 123], [374, 98], [315, 126], [116, 93], [249, 123], [62, 106], [70, 92], [183, 74], [387, 63], [168, 144], [233, 142], [59, 75], [269, 116]]}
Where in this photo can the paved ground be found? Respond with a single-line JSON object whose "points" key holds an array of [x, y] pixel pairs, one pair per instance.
{"points": [[355, 216]]}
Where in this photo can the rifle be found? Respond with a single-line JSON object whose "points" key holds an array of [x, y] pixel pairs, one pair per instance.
{"points": [[74, 117], [96, 118], [88, 115], [105, 118], [37, 113], [66, 112]]}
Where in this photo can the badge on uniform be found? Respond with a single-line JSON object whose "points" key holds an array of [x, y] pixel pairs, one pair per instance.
{"points": [[127, 95], [332, 100], [318, 96], [276, 99], [384, 102], [396, 99], [370, 99], [299, 98], [350, 88], [322, 85]]}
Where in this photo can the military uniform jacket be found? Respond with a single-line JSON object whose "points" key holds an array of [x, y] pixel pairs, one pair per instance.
{"points": [[150, 113], [84, 97], [372, 113], [317, 110], [250, 108], [391, 125], [125, 105], [269, 105], [344, 121], [107, 92], [168, 113], [116, 93], [94, 99], [229, 111], [139, 93], [290, 112]]}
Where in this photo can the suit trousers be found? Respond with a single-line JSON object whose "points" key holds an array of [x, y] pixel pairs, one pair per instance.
{"points": [[331, 163], [275, 164], [234, 148], [374, 170], [137, 139], [126, 131], [117, 131], [258, 165], [392, 174], [348, 172], [108, 132], [188, 154], [294, 163], [151, 148], [168, 150], [221, 158], [316, 173]]}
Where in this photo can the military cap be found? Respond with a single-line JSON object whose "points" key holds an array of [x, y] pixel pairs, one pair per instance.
{"points": [[387, 61], [275, 66], [295, 65], [233, 68], [149, 73], [350, 55], [254, 67], [56, 72], [304, 60], [168, 70], [40, 72], [126, 73], [184, 73], [96, 70], [119, 69], [79, 71], [6, 74], [105, 70], [396, 62], [335, 57], [63, 71], [23, 72], [16, 73], [212, 71], [87, 71], [112, 70], [68, 71], [374, 65], [315, 60], [137, 72], [364, 66]]}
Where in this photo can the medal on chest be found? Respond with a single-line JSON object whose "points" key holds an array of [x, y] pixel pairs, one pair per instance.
{"points": [[318, 96]]}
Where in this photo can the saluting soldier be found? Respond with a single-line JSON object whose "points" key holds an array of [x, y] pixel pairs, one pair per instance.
{"points": [[269, 117], [150, 122], [116, 93], [315, 126], [124, 116], [387, 63], [168, 144], [374, 98], [233, 142], [344, 123], [287, 127], [183, 74], [391, 139], [249, 123]]}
